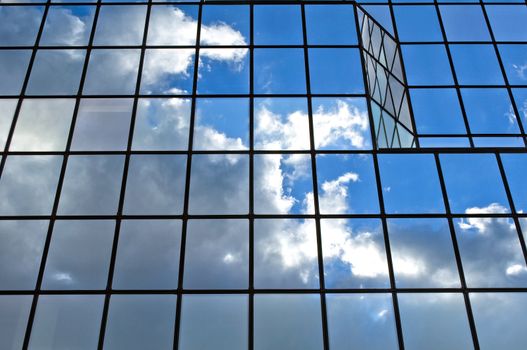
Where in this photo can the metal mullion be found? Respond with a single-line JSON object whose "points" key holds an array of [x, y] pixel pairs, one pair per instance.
{"points": [[184, 226], [322, 294], [457, 254], [250, 326]]}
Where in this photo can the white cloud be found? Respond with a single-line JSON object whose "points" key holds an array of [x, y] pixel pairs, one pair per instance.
{"points": [[520, 70], [482, 224]]}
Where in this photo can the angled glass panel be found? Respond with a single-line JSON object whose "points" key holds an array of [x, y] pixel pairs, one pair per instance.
{"points": [[427, 65], [172, 25], [92, 185], [281, 124], [285, 254], [483, 71], [434, 321], [120, 25], [223, 71], [330, 25], [155, 184], [515, 169], [464, 23], [21, 242], [19, 25], [287, 322], [79, 254], [335, 71], [168, 71], [221, 124], [67, 322], [28, 184], [56, 72], [161, 124], [225, 25], [341, 123], [112, 72], [465, 177], [491, 252], [354, 253], [68, 25], [279, 71], [520, 97], [223, 318], [346, 184], [277, 25], [283, 184], [423, 253], [508, 22], [102, 125], [14, 314], [417, 23], [219, 184], [514, 59], [7, 112], [43, 125], [147, 255], [13, 66], [140, 322], [217, 254], [361, 321]]}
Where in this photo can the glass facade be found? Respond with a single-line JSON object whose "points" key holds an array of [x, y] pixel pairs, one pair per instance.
{"points": [[263, 174]]}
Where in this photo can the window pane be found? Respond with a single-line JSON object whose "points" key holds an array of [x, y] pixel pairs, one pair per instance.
{"points": [[277, 25], [508, 22], [7, 111], [361, 321], [172, 25], [427, 65], [148, 254], [120, 25], [285, 254], [335, 71], [483, 71], [422, 253], [434, 321], [279, 71], [330, 25], [92, 185], [287, 322], [43, 125], [19, 25], [417, 23], [155, 184], [140, 322], [514, 59], [464, 23], [21, 246], [223, 71], [516, 167], [168, 71], [14, 312], [28, 185], [68, 25], [13, 65], [217, 254], [223, 318], [225, 25], [67, 322], [354, 253]]}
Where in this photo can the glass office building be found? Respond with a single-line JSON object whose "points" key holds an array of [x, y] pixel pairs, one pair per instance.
{"points": [[263, 174]]}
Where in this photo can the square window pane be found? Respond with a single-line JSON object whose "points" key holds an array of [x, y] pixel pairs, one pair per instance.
{"points": [[21, 242], [225, 25], [483, 71], [68, 25], [219, 184], [277, 25], [491, 252], [422, 253], [56, 72], [79, 255], [417, 23], [515, 166], [281, 124], [464, 23], [439, 319], [279, 71], [223, 71], [140, 322], [148, 255], [168, 71], [410, 184], [14, 314], [514, 59], [221, 124], [287, 321], [285, 254], [13, 66], [361, 321], [223, 318], [19, 25], [120, 25], [43, 125], [465, 177], [173, 25], [102, 125], [155, 184], [217, 254], [346, 184], [508, 22], [67, 322], [28, 185], [112, 72], [283, 184], [427, 65], [161, 124], [7, 112], [92, 185], [335, 71], [354, 253], [330, 25]]}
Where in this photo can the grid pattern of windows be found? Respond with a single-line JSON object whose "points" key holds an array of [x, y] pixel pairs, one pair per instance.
{"points": [[208, 175]]}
